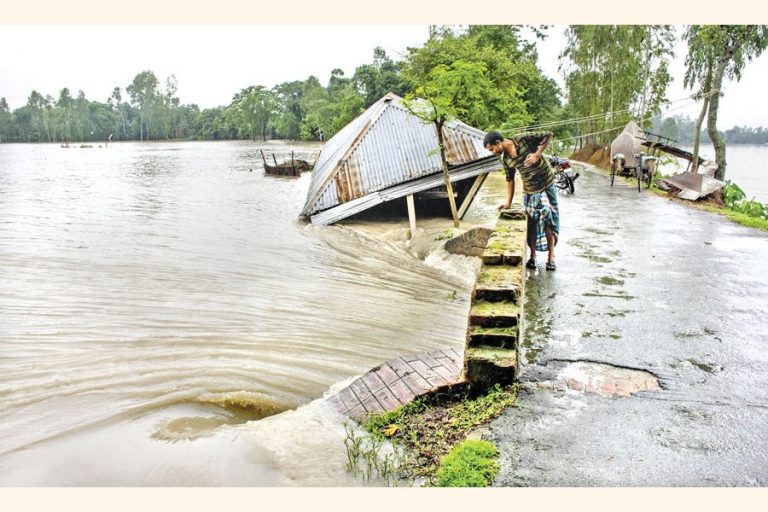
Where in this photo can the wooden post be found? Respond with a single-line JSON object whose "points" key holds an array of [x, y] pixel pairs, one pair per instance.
{"points": [[411, 214], [263, 158], [446, 174], [275, 159], [471, 194]]}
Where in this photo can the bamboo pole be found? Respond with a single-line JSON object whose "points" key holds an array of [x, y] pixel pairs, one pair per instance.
{"points": [[471, 194], [411, 214]]}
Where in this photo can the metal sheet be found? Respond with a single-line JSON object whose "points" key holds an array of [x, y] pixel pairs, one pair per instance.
{"points": [[385, 146], [694, 185], [342, 211]]}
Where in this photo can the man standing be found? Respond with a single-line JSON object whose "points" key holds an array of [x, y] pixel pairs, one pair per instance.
{"points": [[523, 153]]}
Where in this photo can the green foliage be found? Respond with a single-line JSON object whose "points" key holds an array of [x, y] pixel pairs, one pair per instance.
{"points": [[736, 200], [715, 52], [471, 463], [369, 457], [372, 81], [429, 427], [251, 111], [494, 56], [618, 69], [486, 75]]}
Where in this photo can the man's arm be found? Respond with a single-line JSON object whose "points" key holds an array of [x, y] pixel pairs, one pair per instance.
{"points": [[544, 144], [510, 194]]}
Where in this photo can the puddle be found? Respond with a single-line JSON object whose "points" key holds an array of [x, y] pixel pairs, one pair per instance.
{"points": [[601, 379]]}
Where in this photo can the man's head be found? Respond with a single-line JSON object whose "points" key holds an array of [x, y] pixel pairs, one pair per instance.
{"points": [[492, 142]]}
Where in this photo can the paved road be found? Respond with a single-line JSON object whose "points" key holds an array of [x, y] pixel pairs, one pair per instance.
{"points": [[655, 299]]}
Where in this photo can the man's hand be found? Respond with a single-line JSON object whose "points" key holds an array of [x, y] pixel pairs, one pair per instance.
{"points": [[504, 206], [531, 159]]}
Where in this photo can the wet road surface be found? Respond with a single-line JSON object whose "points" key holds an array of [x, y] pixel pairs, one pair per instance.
{"points": [[645, 355]]}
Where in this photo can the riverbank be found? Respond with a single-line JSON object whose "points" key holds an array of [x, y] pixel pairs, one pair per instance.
{"points": [[425, 405]]}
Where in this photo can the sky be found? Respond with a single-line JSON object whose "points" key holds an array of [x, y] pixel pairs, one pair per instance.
{"points": [[213, 62]]}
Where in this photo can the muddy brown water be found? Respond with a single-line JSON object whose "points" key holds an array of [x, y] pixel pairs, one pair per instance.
{"points": [[165, 318]]}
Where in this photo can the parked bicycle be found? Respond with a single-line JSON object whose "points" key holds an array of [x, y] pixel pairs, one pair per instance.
{"points": [[564, 174]]}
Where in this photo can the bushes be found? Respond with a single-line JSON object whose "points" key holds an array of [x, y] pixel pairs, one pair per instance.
{"points": [[736, 200]]}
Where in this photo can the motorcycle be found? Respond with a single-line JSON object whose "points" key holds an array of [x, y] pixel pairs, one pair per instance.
{"points": [[564, 174]]}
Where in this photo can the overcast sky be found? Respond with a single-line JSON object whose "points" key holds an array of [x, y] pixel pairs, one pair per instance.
{"points": [[211, 63]]}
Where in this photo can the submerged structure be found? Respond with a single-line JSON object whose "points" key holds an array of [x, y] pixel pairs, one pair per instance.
{"points": [[388, 153]]}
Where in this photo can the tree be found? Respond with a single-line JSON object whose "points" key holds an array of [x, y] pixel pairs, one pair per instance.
{"points": [[290, 109], [251, 110], [6, 120], [448, 92], [614, 70], [143, 92], [372, 81], [115, 103], [507, 70], [715, 52]]}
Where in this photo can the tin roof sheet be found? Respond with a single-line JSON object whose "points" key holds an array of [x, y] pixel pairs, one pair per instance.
{"points": [[694, 185], [385, 146]]}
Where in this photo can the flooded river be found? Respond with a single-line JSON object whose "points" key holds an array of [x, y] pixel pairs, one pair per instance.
{"points": [[166, 319]]}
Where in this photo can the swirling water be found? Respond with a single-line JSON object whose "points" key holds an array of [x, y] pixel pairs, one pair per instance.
{"points": [[163, 311]]}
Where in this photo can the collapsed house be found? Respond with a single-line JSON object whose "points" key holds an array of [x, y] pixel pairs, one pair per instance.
{"points": [[687, 185], [388, 153]]}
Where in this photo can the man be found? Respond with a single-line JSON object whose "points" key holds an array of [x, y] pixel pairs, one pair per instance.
{"points": [[523, 154]]}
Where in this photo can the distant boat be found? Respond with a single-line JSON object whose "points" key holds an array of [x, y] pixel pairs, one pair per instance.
{"points": [[293, 168]]}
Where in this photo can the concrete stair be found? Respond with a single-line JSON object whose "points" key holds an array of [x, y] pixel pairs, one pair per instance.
{"points": [[490, 355]]}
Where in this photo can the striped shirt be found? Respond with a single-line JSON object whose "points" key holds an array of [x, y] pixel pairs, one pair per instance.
{"points": [[537, 177]]}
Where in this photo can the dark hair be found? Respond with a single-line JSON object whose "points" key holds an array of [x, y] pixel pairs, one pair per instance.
{"points": [[492, 138]]}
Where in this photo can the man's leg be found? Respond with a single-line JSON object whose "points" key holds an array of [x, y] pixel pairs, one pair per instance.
{"points": [[531, 239], [550, 243]]}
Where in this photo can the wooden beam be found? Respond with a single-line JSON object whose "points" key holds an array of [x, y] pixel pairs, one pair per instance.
{"points": [[411, 214], [471, 194]]}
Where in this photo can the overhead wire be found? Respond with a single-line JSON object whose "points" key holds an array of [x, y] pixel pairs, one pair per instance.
{"points": [[577, 120]]}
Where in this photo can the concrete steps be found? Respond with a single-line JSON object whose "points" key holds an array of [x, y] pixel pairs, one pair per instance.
{"points": [[490, 356]]}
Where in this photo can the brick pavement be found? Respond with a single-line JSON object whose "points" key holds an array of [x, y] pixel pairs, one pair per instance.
{"points": [[399, 381]]}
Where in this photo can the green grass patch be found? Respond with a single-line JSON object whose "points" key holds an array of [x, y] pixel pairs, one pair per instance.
{"points": [[738, 217], [428, 428], [471, 463]]}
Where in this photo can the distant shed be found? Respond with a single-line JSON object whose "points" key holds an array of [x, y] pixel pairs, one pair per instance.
{"points": [[386, 153]]}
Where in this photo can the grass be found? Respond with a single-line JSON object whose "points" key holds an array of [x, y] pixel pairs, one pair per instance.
{"points": [[472, 463], [738, 217], [430, 427]]}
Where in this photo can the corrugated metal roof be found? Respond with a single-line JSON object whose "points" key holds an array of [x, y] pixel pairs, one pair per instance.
{"points": [[694, 185], [461, 172], [385, 146]]}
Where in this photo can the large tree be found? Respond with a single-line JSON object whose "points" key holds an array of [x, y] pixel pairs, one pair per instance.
{"points": [[507, 71], [251, 110], [382, 76], [716, 52], [447, 93], [143, 93], [615, 73]]}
